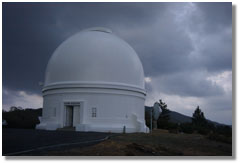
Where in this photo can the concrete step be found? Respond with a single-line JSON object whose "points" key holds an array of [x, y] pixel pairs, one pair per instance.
{"points": [[67, 129]]}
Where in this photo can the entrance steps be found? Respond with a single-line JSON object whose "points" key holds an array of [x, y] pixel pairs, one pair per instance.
{"points": [[67, 129]]}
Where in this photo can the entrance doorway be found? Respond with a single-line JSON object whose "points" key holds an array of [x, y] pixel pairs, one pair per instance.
{"points": [[69, 116], [72, 114]]}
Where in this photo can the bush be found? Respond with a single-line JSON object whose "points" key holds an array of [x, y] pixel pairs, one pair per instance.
{"points": [[224, 130], [175, 131], [219, 137], [172, 126], [203, 130], [27, 119], [187, 128]]}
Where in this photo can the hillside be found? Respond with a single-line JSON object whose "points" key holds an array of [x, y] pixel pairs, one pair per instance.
{"points": [[158, 143], [176, 117]]}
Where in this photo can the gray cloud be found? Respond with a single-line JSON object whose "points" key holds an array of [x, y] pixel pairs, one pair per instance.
{"points": [[216, 16], [20, 99], [181, 46], [32, 31], [188, 83]]}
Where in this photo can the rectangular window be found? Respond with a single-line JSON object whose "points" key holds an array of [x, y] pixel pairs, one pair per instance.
{"points": [[94, 112], [54, 112]]}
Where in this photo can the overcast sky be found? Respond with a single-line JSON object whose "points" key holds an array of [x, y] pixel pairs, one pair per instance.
{"points": [[185, 49]]}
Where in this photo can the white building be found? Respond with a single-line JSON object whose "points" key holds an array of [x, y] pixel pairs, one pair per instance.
{"points": [[94, 82]]}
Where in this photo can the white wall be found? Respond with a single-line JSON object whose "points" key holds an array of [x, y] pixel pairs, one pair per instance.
{"points": [[115, 109]]}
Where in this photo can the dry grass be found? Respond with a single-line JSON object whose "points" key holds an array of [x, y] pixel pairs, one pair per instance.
{"points": [[159, 143]]}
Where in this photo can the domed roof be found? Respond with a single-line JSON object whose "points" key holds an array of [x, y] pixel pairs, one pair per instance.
{"points": [[95, 56]]}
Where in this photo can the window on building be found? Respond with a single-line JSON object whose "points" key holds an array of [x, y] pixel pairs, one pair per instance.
{"points": [[54, 112], [94, 112]]}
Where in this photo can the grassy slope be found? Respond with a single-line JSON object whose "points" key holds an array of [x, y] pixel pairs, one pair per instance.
{"points": [[160, 143]]}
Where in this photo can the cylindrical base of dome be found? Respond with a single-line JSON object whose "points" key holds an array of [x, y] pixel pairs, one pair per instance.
{"points": [[94, 109]]}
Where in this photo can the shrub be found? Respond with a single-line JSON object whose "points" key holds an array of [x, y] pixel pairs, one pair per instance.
{"points": [[27, 119], [203, 130], [187, 128], [219, 137]]}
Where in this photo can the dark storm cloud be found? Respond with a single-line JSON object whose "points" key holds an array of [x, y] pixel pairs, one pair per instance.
{"points": [[181, 45], [31, 32], [217, 51], [162, 44], [216, 15]]}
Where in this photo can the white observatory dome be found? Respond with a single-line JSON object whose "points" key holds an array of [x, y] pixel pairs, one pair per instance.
{"points": [[94, 81], [95, 56]]}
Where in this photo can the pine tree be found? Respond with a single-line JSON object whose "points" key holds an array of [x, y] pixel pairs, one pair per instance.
{"points": [[163, 120], [198, 117]]}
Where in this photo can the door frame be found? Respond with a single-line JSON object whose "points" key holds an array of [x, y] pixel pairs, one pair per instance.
{"points": [[73, 103]]}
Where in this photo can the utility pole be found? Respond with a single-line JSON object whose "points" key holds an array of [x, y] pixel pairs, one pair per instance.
{"points": [[151, 120]]}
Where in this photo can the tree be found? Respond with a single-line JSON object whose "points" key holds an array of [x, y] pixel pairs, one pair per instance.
{"points": [[22, 118], [13, 108], [163, 120], [198, 118], [163, 106]]}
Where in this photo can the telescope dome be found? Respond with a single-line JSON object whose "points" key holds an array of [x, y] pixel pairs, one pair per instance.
{"points": [[95, 56]]}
